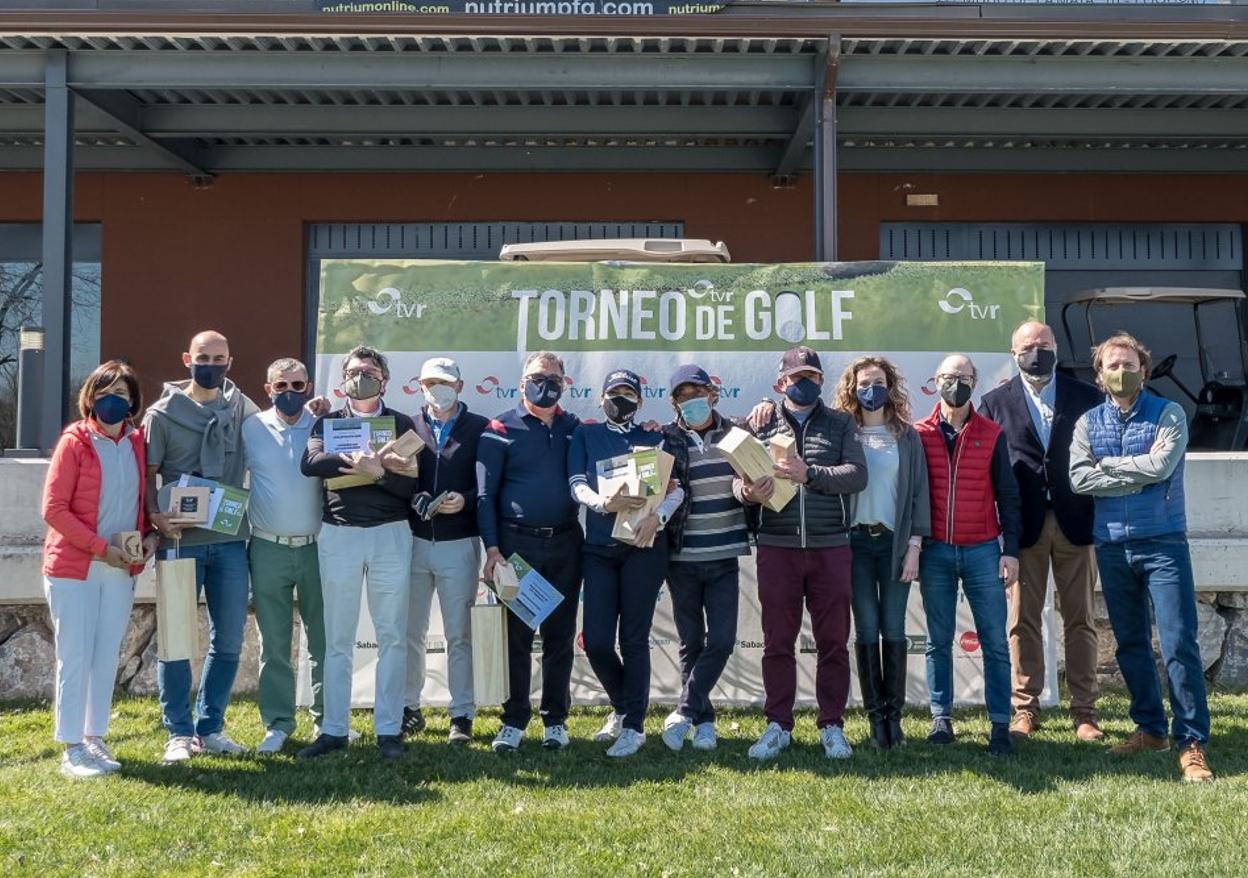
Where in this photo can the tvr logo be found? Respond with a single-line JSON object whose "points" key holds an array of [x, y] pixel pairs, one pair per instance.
{"points": [[958, 300], [390, 300]]}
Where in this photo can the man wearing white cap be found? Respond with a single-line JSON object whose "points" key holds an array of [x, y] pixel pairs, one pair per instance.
{"points": [[446, 551]]}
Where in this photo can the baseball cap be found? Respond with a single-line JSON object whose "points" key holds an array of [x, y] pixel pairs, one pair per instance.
{"points": [[622, 378], [439, 368], [689, 374], [799, 358]]}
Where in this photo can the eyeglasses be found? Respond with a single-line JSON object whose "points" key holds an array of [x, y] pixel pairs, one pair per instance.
{"points": [[542, 376], [355, 373], [955, 377], [283, 386]]}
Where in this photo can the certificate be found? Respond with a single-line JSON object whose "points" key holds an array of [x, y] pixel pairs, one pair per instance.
{"points": [[347, 435], [536, 598]]}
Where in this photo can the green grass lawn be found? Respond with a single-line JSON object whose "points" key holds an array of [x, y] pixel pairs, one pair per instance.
{"points": [[1056, 808]]}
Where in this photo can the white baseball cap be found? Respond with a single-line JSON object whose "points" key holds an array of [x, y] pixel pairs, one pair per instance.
{"points": [[441, 369]]}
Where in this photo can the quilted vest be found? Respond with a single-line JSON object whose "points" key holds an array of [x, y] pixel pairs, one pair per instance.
{"points": [[1159, 508], [964, 504]]}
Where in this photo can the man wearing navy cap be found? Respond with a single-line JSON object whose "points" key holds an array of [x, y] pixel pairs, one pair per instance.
{"points": [[706, 536]]}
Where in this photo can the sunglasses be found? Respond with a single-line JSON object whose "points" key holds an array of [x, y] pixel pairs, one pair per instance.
{"points": [[283, 386]]}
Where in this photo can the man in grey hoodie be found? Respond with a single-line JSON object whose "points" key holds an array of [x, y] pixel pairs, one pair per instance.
{"points": [[195, 428]]}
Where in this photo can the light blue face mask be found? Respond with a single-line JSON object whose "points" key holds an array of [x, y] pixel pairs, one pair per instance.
{"points": [[696, 411]]}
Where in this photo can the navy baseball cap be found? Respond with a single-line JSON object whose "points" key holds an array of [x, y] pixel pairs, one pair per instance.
{"points": [[689, 374], [622, 378], [799, 359]]}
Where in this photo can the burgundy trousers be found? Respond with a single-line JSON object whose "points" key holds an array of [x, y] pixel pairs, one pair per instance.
{"points": [[821, 579]]}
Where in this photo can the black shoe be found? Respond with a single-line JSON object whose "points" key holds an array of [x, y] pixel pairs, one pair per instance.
{"points": [[322, 745], [413, 722], [461, 730], [942, 731], [391, 746], [999, 741], [895, 654], [870, 681]]}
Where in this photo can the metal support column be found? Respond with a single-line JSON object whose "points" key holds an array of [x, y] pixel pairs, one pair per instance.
{"points": [[825, 151], [58, 218]]}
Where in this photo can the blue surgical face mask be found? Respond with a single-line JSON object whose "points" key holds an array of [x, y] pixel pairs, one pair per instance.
{"points": [[111, 409], [873, 398], [290, 402], [209, 376], [696, 411], [804, 392], [543, 393]]}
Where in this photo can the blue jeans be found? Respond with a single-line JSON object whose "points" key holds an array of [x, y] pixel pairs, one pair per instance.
{"points": [[879, 598], [1157, 570], [705, 597], [221, 575], [941, 566]]}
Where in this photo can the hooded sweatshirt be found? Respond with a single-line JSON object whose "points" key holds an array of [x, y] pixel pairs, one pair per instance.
{"points": [[184, 436]]}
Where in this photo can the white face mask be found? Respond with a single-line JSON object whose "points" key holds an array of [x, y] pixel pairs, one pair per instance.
{"points": [[441, 396]]}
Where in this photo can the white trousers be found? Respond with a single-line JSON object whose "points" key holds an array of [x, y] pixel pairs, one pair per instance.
{"points": [[89, 618], [353, 559], [450, 568]]}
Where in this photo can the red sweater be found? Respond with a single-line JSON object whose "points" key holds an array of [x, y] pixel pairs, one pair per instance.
{"points": [[71, 500], [964, 502]]}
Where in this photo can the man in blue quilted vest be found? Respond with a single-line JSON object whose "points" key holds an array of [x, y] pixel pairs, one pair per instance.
{"points": [[1127, 453]]}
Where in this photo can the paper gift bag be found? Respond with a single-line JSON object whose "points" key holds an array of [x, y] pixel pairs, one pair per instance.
{"points": [[177, 621], [490, 680], [751, 461]]}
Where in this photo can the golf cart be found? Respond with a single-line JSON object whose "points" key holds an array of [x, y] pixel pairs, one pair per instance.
{"points": [[1220, 418]]}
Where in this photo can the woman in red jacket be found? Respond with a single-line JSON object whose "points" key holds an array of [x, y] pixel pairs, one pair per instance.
{"points": [[94, 491]]}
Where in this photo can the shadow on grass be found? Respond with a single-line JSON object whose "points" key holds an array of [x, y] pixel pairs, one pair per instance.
{"points": [[430, 769]]}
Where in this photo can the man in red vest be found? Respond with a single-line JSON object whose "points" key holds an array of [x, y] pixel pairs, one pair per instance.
{"points": [[976, 524]]}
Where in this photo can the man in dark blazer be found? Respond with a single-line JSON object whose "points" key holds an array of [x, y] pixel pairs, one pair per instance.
{"points": [[1037, 411]]}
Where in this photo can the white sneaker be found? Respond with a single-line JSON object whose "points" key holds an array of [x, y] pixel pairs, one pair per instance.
{"points": [[352, 734], [508, 739], [218, 743], [178, 749], [628, 743], [611, 729], [555, 738], [770, 743], [101, 754], [834, 744], [77, 762], [704, 737], [274, 740], [675, 729]]}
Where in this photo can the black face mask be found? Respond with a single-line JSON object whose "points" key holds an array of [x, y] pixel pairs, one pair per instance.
{"points": [[1037, 362], [209, 376], [290, 402], [543, 393], [620, 409], [956, 393]]}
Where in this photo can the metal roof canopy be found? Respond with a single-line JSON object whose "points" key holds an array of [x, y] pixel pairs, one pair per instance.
{"points": [[203, 102], [1156, 295]]}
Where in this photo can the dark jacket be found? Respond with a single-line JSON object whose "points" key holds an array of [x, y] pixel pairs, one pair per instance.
{"points": [[385, 501], [1044, 477], [676, 443], [818, 517], [453, 468]]}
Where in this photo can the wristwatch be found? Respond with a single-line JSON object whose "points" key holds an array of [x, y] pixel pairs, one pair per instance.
{"points": [[810, 472], [662, 519]]}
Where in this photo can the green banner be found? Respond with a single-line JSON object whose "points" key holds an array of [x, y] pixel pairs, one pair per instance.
{"points": [[509, 306]]}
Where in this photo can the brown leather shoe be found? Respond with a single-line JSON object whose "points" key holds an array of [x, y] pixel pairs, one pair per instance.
{"points": [[1086, 728], [1195, 767], [1140, 742], [1024, 723]]}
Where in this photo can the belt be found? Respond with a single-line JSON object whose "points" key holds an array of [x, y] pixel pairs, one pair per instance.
{"points": [[542, 532], [292, 542], [871, 530]]}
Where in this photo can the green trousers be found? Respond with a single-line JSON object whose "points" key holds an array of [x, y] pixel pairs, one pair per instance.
{"points": [[278, 575]]}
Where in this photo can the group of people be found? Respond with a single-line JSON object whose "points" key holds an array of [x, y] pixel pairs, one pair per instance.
{"points": [[1048, 473]]}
